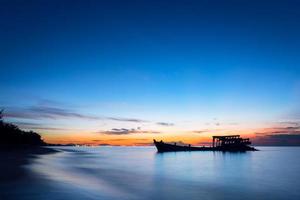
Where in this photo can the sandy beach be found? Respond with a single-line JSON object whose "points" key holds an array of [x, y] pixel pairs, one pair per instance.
{"points": [[12, 160]]}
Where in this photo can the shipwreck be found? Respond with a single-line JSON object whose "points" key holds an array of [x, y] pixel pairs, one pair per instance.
{"points": [[233, 143]]}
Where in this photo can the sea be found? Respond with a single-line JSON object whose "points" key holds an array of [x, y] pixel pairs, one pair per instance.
{"points": [[140, 173]]}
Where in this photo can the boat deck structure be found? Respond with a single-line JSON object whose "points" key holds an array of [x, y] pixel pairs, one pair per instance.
{"points": [[233, 143]]}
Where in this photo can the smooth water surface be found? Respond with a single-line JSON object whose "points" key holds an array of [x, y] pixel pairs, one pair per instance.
{"points": [[141, 173]]}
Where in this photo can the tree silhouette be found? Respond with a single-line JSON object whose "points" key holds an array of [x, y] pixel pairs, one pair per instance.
{"points": [[11, 134]]}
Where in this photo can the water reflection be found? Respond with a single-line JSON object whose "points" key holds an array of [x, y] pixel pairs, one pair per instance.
{"points": [[141, 173]]}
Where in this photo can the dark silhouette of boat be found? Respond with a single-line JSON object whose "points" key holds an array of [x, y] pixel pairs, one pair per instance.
{"points": [[220, 143]]}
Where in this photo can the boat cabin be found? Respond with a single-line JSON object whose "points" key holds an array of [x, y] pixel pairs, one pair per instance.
{"points": [[229, 140]]}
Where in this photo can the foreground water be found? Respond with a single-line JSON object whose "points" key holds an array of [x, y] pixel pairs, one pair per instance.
{"points": [[141, 173]]}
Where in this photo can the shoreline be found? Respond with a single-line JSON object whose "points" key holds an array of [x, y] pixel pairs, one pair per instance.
{"points": [[13, 159]]}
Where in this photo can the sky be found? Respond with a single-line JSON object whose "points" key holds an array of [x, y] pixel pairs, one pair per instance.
{"points": [[126, 72]]}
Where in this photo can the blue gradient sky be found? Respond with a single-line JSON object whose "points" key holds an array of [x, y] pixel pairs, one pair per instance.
{"points": [[193, 64]]}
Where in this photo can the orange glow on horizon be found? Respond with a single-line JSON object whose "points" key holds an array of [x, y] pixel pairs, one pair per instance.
{"points": [[196, 139]]}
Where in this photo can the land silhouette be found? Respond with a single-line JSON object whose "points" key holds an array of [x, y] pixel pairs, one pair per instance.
{"points": [[18, 148], [12, 135]]}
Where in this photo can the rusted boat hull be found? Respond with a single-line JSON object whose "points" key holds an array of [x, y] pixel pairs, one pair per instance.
{"points": [[164, 147]]}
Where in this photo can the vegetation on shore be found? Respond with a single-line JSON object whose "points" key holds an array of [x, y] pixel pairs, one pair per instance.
{"points": [[12, 135]]}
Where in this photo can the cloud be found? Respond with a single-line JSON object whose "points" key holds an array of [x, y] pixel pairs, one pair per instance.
{"points": [[121, 131], [50, 112], [50, 102], [233, 123], [111, 142], [280, 130], [293, 123], [20, 114], [165, 124], [201, 131], [53, 112], [48, 128], [207, 130], [40, 112], [278, 136], [278, 140], [26, 124], [126, 119], [119, 140], [37, 126], [125, 131]]}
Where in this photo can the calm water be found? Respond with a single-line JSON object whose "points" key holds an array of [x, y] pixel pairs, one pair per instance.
{"points": [[141, 173]]}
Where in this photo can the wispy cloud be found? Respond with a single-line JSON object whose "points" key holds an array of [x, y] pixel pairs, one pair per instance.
{"points": [[51, 112], [292, 123], [125, 131], [165, 124], [201, 131], [51, 102], [48, 128], [125, 119], [115, 142], [233, 123], [26, 124], [280, 130], [40, 112], [20, 114], [37, 126]]}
